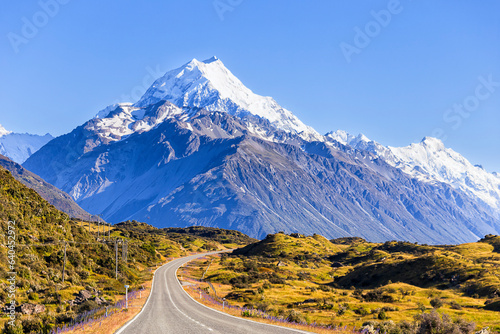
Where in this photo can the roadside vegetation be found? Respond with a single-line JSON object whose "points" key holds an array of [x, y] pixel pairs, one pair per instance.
{"points": [[42, 233], [393, 287]]}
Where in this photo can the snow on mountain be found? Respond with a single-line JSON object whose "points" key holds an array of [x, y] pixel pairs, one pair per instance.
{"points": [[201, 148], [217, 173], [20, 146], [210, 85], [3, 131], [120, 120], [431, 161]]}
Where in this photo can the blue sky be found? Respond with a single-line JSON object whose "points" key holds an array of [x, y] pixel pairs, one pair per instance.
{"points": [[404, 76]]}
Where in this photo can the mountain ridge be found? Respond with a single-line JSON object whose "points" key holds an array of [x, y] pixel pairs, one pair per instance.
{"points": [[184, 165], [431, 161], [20, 146]]}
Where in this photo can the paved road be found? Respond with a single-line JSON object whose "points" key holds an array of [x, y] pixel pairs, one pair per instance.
{"points": [[170, 309]]}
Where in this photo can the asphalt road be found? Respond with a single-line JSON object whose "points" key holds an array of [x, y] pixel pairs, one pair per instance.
{"points": [[170, 309]]}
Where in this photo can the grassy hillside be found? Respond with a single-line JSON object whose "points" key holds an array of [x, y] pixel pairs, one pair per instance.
{"points": [[51, 194], [41, 235], [350, 281]]}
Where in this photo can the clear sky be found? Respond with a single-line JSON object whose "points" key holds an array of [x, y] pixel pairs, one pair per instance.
{"points": [[394, 70]]}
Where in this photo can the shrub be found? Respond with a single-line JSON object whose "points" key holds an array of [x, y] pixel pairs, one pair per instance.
{"points": [[33, 296], [342, 309], [246, 314], [436, 303], [16, 329], [362, 311], [275, 279], [87, 306], [262, 307], [382, 315], [433, 323], [32, 325], [377, 295], [295, 316], [421, 307]]}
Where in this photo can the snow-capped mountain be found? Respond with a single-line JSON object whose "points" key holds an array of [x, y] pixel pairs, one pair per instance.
{"points": [[431, 161], [120, 120], [199, 148], [210, 85], [3, 131], [20, 146]]}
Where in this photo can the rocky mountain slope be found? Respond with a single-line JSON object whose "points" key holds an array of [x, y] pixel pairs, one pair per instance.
{"points": [[245, 164]]}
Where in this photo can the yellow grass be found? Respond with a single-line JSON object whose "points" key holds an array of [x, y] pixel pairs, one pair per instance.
{"points": [[113, 322], [195, 295], [281, 296]]}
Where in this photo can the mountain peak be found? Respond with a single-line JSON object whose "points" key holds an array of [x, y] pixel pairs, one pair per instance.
{"points": [[433, 143], [346, 138], [211, 60], [210, 85], [3, 131]]}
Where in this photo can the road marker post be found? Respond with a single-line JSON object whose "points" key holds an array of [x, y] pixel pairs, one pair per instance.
{"points": [[126, 296]]}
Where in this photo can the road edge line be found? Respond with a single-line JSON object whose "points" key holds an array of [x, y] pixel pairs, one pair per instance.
{"points": [[230, 315], [121, 329]]}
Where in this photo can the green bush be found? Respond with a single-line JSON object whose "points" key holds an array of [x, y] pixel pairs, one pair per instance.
{"points": [[436, 303], [382, 315]]}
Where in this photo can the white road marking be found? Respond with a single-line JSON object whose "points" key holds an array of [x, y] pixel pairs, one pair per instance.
{"points": [[187, 316]]}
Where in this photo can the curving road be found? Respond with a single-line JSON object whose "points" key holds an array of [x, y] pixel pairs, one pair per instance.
{"points": [[170, 309]]}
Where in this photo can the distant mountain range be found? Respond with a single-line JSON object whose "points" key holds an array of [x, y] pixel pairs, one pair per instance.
{"points": [[199, 148], [430, 161], [20, 146]]}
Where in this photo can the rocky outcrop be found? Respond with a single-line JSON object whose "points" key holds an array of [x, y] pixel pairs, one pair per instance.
{"points": [[30, 309]]}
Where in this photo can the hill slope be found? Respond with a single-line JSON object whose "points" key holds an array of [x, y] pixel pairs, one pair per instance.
{"points": [[353, 282], [51, 194], [41, 232]]}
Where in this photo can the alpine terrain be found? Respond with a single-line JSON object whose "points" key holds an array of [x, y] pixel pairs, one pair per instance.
{"points": [[200, 148], [430, 161], [19, 146]]}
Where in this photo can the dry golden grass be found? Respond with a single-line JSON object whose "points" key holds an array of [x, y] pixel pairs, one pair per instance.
{"points": [[195, 295], [408, 299], [113, 322]]}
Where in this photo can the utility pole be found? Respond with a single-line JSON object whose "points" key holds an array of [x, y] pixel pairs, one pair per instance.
{"points": [[116, 258], [98, 225], [124, 250], [64, 262]]}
